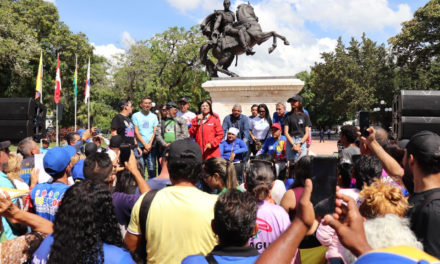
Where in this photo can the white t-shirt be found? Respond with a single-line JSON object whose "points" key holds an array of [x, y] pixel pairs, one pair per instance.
{"points": [[259, 127], [188, 116]]}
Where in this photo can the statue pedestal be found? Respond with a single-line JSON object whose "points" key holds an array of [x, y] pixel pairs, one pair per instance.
{"points": [[226, 92]]}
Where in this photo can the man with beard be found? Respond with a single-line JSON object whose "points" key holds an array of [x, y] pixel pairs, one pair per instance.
{"points": [[421, 176]]}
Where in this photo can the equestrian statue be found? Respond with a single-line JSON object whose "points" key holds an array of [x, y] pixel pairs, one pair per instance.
{"points": [[229, 37]]}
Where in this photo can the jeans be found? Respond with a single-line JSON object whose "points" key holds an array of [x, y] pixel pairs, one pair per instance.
{"points": [[293, 155], [149, 161]]}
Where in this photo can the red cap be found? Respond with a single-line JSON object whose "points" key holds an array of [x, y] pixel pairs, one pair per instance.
{"points": [[276, 125]]}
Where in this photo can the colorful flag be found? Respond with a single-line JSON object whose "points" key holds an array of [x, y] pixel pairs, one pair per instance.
{"points": [[39, 88], [75, 79], [57, 94], [87, 88]]}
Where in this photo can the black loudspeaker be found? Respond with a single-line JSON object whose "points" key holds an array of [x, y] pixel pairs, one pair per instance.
{"points": [[16, 130], [406, 126], [20, 118], [17, 108], [416, 103]]}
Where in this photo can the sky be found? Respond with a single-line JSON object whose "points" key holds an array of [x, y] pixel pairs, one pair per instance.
{"points": [[311, 26]]}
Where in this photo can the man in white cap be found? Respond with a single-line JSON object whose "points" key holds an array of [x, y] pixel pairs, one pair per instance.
{"points": [[234, 150]]}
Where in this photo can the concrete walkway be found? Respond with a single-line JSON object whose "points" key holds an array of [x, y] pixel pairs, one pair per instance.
{"points": [[327, 147]]}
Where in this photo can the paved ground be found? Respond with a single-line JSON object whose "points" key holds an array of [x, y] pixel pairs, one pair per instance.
{"points": [[327, 147]]}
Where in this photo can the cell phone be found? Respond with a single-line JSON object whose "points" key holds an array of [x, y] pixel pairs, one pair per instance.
{"points": [[125, 153], [324, 177], [364, 123]]}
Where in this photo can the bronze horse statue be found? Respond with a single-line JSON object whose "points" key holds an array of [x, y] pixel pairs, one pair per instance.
{"points": [[227, 47]]}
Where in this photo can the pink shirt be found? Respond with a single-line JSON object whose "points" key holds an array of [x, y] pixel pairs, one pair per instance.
{"points": [[272, 221], [327, 236]]}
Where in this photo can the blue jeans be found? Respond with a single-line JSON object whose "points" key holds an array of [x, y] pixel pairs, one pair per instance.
{"points": [[149, 161], [292, 155]]}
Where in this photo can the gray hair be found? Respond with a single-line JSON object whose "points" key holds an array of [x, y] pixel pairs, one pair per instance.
{"points": [[390, 230], [236, 105], [25, 146], [280, 104]]}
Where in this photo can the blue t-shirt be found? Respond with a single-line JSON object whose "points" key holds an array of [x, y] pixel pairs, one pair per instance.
{"points": [[145, 124], [226, 255], [46, 198], [275, 147], [112, 254], [26, 167], [158, 183]]}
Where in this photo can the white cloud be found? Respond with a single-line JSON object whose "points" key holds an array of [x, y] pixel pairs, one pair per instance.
{"points": [[352, 16], [108, 51], [292, 19], [127, 40], [50, 1]]}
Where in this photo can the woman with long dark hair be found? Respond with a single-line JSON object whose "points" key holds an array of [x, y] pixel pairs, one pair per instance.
{"points": [[296, 129], [272, 220], [259, 127], [207, 131], [85, 229]]}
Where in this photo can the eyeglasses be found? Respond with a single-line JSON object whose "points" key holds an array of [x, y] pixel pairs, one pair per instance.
{"points": [[261, 111]]}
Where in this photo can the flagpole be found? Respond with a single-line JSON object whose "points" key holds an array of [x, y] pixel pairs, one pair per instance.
{"points": [[88, 113], [41, 97], [76, 67], [56, 116]]}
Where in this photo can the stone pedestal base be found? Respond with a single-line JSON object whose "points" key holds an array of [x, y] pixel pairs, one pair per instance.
{"points": [[226, 92]]}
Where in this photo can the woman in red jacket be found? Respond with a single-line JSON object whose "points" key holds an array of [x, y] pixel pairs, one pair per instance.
{"points": [[207, 131]]}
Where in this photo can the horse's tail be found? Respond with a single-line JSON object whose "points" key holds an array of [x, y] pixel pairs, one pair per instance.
{"points": [[236, 60]]}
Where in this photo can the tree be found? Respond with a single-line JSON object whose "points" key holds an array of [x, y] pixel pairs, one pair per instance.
{"points": [[419, 41], [164, 67], [350, 79], [416, 49], [28, 27]]}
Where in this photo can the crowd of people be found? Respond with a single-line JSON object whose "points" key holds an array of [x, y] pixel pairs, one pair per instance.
{"points": [[183, 187]]}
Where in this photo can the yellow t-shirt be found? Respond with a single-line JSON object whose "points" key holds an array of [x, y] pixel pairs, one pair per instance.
{"points": [[178, 224]]}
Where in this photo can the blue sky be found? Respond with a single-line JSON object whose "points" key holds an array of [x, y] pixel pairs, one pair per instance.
{"points": [[312, 26]]}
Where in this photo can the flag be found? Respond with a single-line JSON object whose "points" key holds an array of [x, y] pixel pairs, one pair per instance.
{"points": [[39, 88], [75, 79], [87, 88], [57, 94]]}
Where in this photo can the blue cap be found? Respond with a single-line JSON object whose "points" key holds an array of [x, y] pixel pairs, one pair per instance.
{"points": [[56, 160], [77, 170], [71, 150]]}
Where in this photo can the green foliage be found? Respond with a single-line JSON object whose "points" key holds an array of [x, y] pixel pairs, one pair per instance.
{"points": [[164, 67], [28, 27], [349, 79]]}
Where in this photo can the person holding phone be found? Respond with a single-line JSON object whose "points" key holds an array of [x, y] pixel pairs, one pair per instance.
{"points": [[296, 129], [207, 131]]}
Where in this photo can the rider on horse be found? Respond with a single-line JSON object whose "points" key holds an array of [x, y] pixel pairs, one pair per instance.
{"points": [[225, 20]]}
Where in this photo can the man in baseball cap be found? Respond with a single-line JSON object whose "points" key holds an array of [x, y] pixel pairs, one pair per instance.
{"points": [[165, 222], [184, 111], [295, 97], [422, 164], [46, 197]]}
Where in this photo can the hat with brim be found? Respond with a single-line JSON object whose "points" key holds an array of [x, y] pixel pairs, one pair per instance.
{"points": [[296, 97], [56, 160]]}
